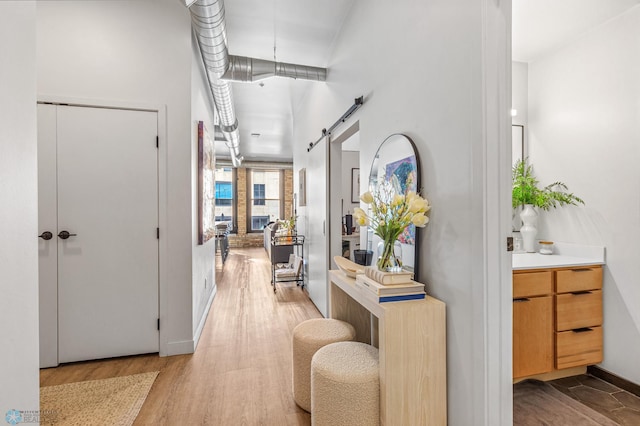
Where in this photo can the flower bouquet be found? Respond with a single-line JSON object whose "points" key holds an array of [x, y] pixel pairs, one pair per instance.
{"points": [[390, 212]]}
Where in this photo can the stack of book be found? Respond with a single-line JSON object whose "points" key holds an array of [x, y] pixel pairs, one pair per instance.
{"points": [[384, 287]]}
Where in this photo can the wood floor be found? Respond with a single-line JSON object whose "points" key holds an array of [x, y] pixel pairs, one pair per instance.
{"points": [[241, 371]]}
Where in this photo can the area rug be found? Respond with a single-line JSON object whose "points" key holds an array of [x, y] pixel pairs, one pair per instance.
{"points": [[115, 401], [538, 403]]}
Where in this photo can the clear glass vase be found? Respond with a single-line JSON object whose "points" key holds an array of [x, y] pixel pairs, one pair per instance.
{"points": [[390, 259]]}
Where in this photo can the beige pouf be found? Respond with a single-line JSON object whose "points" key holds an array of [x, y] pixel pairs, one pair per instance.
{"points": [[345, 385], [308, 337]]}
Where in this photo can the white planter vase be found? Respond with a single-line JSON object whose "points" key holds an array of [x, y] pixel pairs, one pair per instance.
{"points": [[529, 228]]}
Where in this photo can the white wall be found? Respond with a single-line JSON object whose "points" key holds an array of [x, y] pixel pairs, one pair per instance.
{"points": [[584, 116], [19, 213], [202, 109], [419, 66], [135, 52], [520, 92]]}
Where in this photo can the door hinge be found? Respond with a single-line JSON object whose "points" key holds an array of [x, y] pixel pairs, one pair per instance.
{"points": [[158, 323], [158, 233], [509, 243], [157, 141]]}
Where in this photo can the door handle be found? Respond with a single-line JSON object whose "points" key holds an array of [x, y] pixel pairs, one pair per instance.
{"points": [[65, 234], [46, 235]]}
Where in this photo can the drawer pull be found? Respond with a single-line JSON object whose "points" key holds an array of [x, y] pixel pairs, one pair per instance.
{"points": [[522, 299], [582, 330], [581, 270], [578, 293]]}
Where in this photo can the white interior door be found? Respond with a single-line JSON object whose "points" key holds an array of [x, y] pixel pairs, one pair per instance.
{"points": [[317, 234], [107, 195], [48, 244]]}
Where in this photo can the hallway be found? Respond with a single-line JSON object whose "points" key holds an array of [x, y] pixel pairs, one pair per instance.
{"points": [[241, 371]]}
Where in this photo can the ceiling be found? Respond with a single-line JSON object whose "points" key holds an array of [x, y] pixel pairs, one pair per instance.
{"points": [[304, 32], [543, 26]]}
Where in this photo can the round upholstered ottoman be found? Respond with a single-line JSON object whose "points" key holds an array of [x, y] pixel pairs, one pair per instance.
{"points": [[308, 337], [345, 385]]}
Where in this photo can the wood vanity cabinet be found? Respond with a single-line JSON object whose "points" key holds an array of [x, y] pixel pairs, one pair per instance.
{"points": [[557, 319]]}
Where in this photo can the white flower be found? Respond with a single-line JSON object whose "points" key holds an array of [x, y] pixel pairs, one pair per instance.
{"points": [[418, 205], [367, 197], [390, 212], [420, 220]]}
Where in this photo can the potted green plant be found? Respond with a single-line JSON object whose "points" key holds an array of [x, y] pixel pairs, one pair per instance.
{"points": [[526, 192]]}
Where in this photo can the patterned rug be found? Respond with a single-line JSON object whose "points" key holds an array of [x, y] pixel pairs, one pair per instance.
{"points": [[538, 403], [115, 401]]}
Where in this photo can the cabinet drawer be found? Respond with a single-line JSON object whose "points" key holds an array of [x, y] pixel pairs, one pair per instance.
{"points": [[579, 279], [532, 284], [576, 310], [578, 347]]}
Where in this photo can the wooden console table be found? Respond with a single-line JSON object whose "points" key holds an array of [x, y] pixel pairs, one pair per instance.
{"points": [[411, 338]]}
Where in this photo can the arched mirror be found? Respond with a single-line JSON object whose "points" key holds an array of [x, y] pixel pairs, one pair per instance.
{"points": [[397, 158]]}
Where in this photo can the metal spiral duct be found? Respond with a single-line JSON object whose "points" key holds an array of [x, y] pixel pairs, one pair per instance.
{"points": [[207, 17], [241, 68], [208, 21]]}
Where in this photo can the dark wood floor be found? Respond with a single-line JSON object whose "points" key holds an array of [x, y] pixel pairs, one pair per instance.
{"points": [[609, 400], [241, 371]]}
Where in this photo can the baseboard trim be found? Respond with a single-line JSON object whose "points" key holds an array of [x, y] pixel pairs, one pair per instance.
{"points": [[203, 320], [180, 348], [614, 379]]}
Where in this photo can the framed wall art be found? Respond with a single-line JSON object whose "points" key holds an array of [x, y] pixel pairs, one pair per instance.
{"points": [[206, 185], [302, 187]]}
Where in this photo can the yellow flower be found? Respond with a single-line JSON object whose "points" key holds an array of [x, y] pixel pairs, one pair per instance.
{"points": [[418, 204], [420, 220], [390, 212], [367, 197], [397, 200]]}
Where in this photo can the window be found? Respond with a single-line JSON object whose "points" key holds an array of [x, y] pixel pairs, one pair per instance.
{"points": [[225, 204], [224, 194], [259, 222], [266, 204], [258, 194]]}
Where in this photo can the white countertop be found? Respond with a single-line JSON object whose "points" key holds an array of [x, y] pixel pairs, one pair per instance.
{"points": [[564, 254]]}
